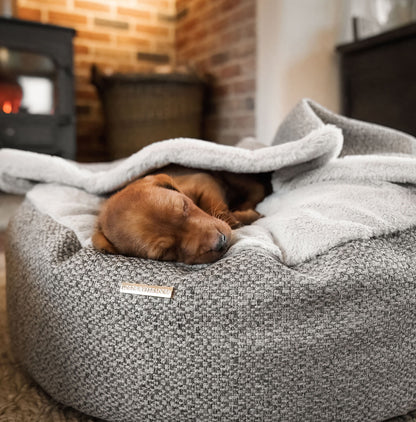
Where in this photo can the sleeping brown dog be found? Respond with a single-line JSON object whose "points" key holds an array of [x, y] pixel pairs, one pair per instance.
{"points": [[179, 214]]}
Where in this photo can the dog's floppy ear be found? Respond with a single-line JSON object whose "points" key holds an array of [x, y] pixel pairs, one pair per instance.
{"points": [[166, 182], [101, 243]]}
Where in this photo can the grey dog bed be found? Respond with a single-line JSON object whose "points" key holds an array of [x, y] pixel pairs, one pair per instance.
{"points": [[263, 334]]}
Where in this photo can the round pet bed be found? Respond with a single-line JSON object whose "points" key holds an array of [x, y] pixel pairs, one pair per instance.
{"points": [[245, 338]]}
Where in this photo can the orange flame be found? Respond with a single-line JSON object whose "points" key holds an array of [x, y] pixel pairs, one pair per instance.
{"points": [[7, 107]]}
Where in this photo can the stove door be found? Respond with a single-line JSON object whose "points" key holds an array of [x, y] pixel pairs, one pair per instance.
{"points": [[28, 101]]}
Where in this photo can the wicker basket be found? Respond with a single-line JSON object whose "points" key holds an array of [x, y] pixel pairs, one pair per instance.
{"points": [[143, 108]]}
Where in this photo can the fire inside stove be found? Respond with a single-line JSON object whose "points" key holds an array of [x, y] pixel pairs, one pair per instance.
{"points": [[11, 94], [27, 83]]}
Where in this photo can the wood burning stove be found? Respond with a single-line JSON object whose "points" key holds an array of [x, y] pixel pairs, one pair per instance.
{"points": [[37, 110]]}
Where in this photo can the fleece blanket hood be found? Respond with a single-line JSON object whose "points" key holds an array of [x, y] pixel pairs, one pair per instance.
{"points": [[21, 170], [334, 180]]}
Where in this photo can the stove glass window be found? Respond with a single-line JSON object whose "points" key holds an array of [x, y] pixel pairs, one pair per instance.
{"points": [[27, 82]]}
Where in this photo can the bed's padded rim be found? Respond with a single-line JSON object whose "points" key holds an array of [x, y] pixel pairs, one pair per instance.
{"points": [[245, 338]]}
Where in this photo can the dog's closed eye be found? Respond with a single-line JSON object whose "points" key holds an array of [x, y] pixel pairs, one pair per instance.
{"points": [[167, 185], [185, 208]]}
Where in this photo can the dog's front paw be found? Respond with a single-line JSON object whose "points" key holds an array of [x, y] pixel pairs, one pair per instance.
{"points": [[101, 243]]}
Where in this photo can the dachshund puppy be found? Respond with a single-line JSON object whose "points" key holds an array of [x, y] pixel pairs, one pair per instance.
{"points": [[179, 214]]}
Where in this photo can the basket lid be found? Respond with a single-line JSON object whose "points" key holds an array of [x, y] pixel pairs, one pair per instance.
{"points": [[100, 80]]}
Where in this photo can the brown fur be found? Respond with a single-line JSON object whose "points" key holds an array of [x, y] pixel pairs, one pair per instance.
{"points": [[179, 214]]}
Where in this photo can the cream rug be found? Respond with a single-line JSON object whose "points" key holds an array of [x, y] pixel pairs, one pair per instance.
{"points": [[8, 206], [21, 400]]}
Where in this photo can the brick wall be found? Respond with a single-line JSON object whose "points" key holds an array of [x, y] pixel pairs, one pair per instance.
{"points": [[116, 35], [216, 37], [219, 38]]}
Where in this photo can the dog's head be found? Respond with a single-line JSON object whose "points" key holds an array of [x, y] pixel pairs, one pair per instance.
{"points": [[152, 218]]}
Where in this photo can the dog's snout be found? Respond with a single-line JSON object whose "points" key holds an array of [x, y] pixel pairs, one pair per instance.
{"points": [[221, 243]]}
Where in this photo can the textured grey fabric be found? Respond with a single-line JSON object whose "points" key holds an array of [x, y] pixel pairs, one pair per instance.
{"points": [[243, 339], [359, 137]]}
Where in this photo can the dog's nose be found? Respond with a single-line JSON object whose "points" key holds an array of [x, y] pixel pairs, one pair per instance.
{"points": [[221, 244]]}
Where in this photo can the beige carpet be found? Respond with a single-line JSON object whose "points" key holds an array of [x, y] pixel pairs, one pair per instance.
{"points": [[8, 206]]}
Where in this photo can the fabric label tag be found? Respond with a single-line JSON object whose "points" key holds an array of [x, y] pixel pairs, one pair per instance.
{"points": [[146, 290]]}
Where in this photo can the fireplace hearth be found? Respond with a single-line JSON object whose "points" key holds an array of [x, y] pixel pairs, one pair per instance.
{"points": [[37, 110]]}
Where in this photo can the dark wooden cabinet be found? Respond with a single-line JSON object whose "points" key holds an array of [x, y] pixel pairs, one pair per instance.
{"points": [[378, 78]]}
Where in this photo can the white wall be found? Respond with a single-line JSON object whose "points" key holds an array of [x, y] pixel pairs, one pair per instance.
{"points": [[296, 57]]}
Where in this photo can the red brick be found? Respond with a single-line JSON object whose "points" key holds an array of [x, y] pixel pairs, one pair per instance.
{"points": [[248, 67], [247, 48], [200, 34], [82, 80], [221, 90], [244, 86], [189, 25], [153, 30], [219, 38], [232, 36], [243, 122], [67, 19], [157, 4], [94, 36], [230, 71], [54, 3], [246, 14], [91, 6], [201, 64], [248, 31], [81, 49], [220, 25], [220, 58], [182, 4], [181, 41], [112, 54], [230, 4], [29, 14], [134, 41], [213, 13], [135, 13]]}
